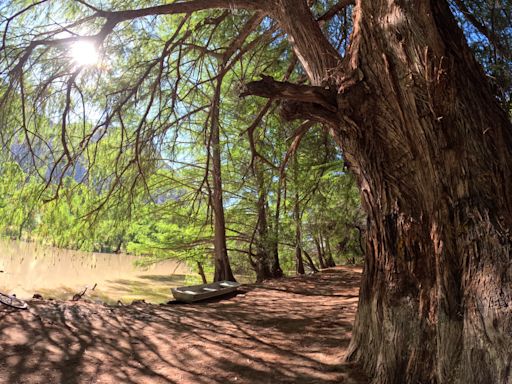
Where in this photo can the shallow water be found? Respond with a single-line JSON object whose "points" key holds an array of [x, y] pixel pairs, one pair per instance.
{"points": [[30, 268]]}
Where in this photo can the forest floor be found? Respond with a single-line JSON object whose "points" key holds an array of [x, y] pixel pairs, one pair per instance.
{"points": [[292, 330]]}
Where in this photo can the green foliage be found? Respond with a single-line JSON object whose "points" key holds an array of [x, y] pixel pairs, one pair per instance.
{"points": [[152, 199], [116, 157]]}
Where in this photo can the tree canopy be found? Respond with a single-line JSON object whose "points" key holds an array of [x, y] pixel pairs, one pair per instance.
{"points": [[115, 151]]}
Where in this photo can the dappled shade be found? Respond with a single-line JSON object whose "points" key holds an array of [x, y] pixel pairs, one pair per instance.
{"points": [[292, 331]]}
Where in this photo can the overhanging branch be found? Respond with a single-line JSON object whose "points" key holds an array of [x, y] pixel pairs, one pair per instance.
{"points": [[272, 89], [182, 7], [335, 9]]}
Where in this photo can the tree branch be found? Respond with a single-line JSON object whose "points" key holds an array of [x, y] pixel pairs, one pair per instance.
{"points": [[182, 7], [490, 35], [297, 138], [270, 88], [335, 9]]}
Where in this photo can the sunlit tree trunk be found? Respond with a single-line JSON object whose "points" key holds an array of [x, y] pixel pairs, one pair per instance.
{"points": [[433, 162], [200, 270], [222, 265]]}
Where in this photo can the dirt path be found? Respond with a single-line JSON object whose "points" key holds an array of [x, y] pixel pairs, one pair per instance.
{"points": [[293, 330]]}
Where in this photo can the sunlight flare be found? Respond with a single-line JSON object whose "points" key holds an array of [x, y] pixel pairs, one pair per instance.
{"points": [[85, 53]]}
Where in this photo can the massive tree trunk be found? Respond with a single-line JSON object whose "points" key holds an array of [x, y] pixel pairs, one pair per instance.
{"points": [[432, 152]]}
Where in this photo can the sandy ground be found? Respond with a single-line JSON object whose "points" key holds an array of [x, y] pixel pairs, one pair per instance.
{"points": [[293, 330]]}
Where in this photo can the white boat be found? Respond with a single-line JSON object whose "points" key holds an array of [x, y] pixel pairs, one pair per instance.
{"points": [[194, 293]]}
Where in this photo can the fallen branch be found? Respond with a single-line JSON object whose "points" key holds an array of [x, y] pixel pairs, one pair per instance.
{"points": [[78, 296]]}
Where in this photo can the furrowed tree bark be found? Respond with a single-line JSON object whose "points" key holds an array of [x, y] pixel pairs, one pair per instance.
{"points": [[432, 152], [317, 56]]}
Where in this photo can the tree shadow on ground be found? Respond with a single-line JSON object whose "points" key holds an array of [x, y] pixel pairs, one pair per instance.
{"points": [[259, 336]]}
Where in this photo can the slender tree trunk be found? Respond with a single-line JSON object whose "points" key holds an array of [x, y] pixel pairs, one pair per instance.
{"points": [[299, 263], [118, 246], [310, 261], [277, 272], [263, 254], [329, 260], [222, 265], [320, 252], [20, 231], [200, 270], [360, 237], [273, 246]]}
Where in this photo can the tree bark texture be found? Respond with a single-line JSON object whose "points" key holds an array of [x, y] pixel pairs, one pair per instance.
{"points": [[432, 153]]}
